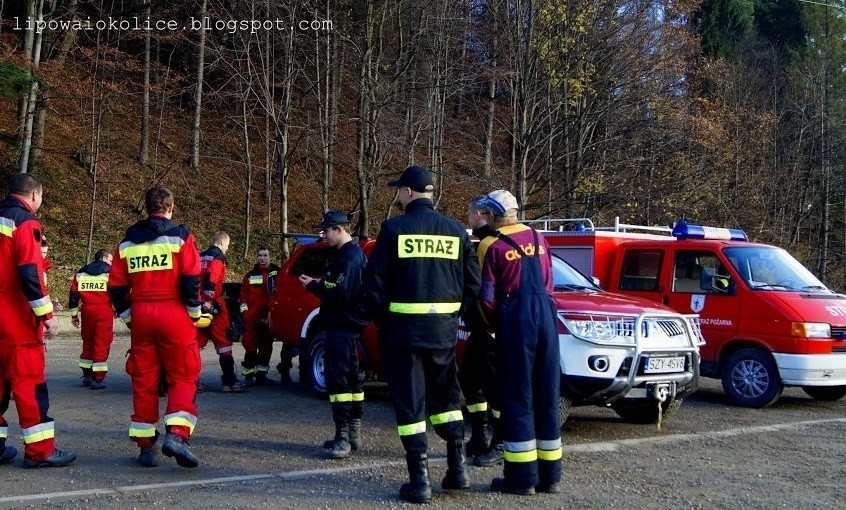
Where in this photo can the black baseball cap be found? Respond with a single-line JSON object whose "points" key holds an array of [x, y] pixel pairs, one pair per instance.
{"points": [[418, 178], [333, 219]]}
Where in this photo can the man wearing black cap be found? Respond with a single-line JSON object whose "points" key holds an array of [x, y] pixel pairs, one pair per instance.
{"points": [[422, 274], [336, 291]]}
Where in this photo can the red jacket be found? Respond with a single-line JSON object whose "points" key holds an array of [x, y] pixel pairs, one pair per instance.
{"points": [[212, 275], [90, 288], [257, 286], [158, 260], [22, 273]]}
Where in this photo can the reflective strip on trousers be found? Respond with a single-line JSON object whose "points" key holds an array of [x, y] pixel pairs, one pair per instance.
{"points": [[441, 418], [225, 350], [248, 371], [412, 429], [549, 449], [340, 397], [100, 367], [496, 413], [137, 429], [520, 451], [40, 432], [424, 308], [181, 419], [85, 363], [262, 369], [477, 408], [357, 397]]}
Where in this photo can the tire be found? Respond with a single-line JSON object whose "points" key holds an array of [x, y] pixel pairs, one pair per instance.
{"points": [[565, 405], [312, 367], [751, 378], [645, 413], [825, 393]]}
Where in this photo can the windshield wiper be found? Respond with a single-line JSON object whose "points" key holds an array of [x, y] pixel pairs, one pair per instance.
{"points": [[759, 285], [574, 286], [815, 287]]}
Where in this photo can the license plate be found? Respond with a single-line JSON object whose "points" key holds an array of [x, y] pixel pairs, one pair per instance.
{"points": [[663, 365]]}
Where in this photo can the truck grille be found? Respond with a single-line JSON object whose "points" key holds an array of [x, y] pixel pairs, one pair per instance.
{"points": [[837, 333], [670, 327]]}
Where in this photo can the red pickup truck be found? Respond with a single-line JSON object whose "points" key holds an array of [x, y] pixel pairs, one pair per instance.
{"points": [[617, 351]]}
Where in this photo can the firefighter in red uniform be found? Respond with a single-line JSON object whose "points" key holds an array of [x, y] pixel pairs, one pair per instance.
{"points": [[213, 265], [27, 320], [48, 265], [256, 287], [89, 293], [420, 277], [157, 267], [515, 298]]}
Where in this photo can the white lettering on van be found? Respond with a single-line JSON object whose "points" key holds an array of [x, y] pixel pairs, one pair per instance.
{"points": [[836, 310], [707, 321]]}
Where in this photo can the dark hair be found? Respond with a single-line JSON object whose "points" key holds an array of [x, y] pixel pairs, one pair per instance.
{"points": [[158, 200], [101, 254], [264, 247], [44, 242], [23, 184]]}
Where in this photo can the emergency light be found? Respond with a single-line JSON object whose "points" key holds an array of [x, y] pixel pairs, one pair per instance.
{"points": [[686, 231]]}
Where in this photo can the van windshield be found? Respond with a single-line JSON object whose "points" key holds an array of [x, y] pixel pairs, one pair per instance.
{"points": [[770, 268], [566, 277]]}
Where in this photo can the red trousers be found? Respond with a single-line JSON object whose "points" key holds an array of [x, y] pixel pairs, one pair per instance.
{"points": [[257, 342], [217, 331], [97, 328], [22, 361], [163, 338]]}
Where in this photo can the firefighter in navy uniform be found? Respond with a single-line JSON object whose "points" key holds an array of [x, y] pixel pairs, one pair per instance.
{"points": [[515, 298], [421, 275], [91, 308], [478, 373], [256, 288], [337, 290], [213, 273], [154, 285], [27, 321]]}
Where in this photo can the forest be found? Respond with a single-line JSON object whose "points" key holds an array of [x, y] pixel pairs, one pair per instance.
{"points": [[262, 114]]}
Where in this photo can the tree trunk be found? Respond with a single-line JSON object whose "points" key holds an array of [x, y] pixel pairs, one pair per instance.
{"points": [[144, 149], [194, 161], [29, 114]]}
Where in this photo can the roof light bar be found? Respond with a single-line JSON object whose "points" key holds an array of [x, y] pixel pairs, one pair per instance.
{"points": [[687, 231]]}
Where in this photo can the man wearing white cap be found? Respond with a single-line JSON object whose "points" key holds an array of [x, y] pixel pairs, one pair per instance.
{"points": [[516, 282]]}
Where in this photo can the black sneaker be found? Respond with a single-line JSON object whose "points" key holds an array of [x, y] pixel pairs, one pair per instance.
{"points": [[148, 457], [97, 385], [549, 488], [500, 485], [9, 453], [86, 380], [174, 446], [57, 459]]}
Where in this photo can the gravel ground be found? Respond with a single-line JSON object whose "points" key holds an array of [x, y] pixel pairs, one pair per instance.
{"points": [[261, 450]]}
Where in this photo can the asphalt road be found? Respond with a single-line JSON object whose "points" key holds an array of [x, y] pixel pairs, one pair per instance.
{"points": [[262, 450]]}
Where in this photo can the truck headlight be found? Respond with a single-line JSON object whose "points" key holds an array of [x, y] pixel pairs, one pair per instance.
{"points": [[608, 330], [810, 330]]}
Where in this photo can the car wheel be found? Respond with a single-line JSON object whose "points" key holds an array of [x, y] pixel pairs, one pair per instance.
{"points": [[646, 412], [751, 378], [564, 407], [315, 365], [825, 393]]}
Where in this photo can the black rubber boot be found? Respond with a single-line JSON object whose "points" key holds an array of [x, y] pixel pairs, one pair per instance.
{"points": [[492, 457], [58, 458], [87, 377], [7, 453], [341, 444], [479, 439], [227, 368], [148, 457], [355, 434], [456, 475], [175, 446], [419, 488]]}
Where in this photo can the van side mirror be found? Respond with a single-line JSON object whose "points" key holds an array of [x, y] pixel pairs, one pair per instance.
{"points": [[595, 280]]}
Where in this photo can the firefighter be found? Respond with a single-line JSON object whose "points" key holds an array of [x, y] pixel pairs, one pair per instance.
{"points": [[256, 288], [48, 265], [90, 305], [478, 372], [515, 299], [27, 321], [212, 275], [157, 265], [337, 290], [421, 275]]}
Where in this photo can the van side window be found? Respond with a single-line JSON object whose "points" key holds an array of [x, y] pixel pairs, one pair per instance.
{"points": [[688, 268], [312, 262], [640, 270]]}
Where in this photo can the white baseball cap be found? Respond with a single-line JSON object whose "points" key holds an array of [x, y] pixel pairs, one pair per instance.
{"points": [[501, 201]]}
